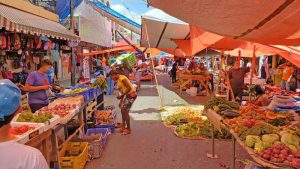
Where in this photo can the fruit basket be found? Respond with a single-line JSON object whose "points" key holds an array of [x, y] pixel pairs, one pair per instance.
{"points": [[73, 155], [24, 133]]}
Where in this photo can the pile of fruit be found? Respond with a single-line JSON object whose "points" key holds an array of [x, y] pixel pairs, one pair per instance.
{"points": [[60, 109], [76, 91], [104, 117], [201, 129], [41, 117], [103, 114], [270, 134], [19, 130], [227, 109], [280, 153], [100, 82], [184, 115]]}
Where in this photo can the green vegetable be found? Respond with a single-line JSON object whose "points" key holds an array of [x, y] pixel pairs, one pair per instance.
{"points": [[216, 101], [261, 129], [251, 140], [36, 118], [258, 147], [290, 139], [269, 139]]}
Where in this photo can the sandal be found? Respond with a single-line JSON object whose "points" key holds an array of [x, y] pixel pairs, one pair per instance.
{"points": [[126, 132], [121, 130]]}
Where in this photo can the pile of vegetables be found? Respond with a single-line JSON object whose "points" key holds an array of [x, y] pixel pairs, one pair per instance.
{"points": [[100, 82], [60, 109], [183, 116], [36, 118], [19, 130], [280, 153], [76, 91], [227, 109], [201, 129]]}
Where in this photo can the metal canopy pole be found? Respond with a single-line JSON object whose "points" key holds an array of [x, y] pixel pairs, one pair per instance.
{"points": [[73, 59]]}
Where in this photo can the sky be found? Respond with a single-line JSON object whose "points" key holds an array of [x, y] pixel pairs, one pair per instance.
{"points": [[134, 9]]}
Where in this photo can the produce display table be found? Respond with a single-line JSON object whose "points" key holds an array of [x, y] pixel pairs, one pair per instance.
{"points": [[217, 121], [184, 79], [50, 137]]}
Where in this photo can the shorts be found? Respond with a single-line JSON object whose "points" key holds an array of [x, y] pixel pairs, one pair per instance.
{"points": [[127, 102]]}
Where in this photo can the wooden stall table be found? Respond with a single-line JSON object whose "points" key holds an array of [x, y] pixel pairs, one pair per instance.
{"points": [[41, 141], [217, 122], [184, 79]]}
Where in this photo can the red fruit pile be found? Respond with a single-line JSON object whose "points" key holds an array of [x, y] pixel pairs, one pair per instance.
{"points": [[281, 154], [20, 130], [61, 109]]}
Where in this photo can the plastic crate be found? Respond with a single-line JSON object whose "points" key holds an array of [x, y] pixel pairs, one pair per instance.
{"points": [[103, 131], [60, 95], [74, 162], [110, 127]]}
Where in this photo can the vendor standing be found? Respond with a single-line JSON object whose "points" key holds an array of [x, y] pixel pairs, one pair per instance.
{"points": [[236, 76], [287, 73], [13, 154], [37, 84], [127, 97]]}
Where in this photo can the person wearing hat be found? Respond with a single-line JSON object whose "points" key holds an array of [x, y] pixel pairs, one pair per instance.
{"points": [[37, 84], [127, 97], [14, 155]]}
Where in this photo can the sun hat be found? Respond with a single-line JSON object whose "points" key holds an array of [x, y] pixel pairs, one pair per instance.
{"points": [[10, 98]]}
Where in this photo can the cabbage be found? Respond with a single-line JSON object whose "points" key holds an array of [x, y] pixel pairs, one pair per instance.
{"points": [[251, 140], [290, 139], [259, 146], [269, 139]]}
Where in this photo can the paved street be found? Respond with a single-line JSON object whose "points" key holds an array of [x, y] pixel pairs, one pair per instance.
{"points": [[153, 146]]}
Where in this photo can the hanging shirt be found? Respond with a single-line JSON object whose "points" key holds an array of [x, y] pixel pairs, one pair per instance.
{"points": [[18, 156], [121, 85], [37, 79]]}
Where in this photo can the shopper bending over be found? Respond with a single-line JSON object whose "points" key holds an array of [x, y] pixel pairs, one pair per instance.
{"points": [[127, 97], [14, 155], [37, 85]]}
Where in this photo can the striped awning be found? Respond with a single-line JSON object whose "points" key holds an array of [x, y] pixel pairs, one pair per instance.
{"points": [[16, 20]]}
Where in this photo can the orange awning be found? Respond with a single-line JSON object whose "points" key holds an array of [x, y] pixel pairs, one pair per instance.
{"points": [[266, 22], [122, 48]]}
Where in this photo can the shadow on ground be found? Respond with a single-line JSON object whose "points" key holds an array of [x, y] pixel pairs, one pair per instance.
{"points": [[154, 146]]}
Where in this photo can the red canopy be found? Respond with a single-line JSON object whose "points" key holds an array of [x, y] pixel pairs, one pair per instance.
{"points": [[263, 21]]}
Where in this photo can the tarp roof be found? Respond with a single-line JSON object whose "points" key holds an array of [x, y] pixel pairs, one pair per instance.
{"points": [[267, 21]]}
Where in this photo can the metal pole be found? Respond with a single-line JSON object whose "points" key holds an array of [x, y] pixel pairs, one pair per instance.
{"points": [[213, 140], [212, 155], [233, 153], [73, 59]]}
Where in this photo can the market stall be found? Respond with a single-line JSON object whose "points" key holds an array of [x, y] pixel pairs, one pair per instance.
{"points": [[77, 117], [270, 138], [185, 78]]}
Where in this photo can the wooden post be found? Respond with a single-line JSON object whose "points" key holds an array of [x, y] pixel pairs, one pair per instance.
{"points": [[252, 70], [239, 58]]}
